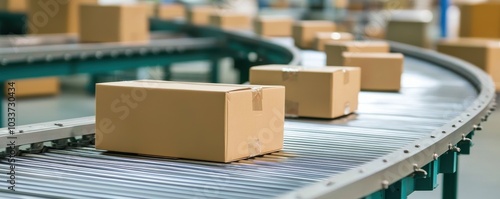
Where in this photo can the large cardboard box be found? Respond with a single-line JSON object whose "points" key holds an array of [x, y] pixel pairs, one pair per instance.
{"points": [[13, 5], [200, 15], [230, 20], [212, 122], [483, 53], [114, 23], [480, 20], [327, 92], [51, 16], [408, 32], [303, 32], [379, 71], [322, 38], [334, 50], [35, 87], [171, 11], [274, 26]]}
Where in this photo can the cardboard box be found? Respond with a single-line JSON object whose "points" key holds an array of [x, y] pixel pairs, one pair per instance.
{"points": [[322, 38], [480, 20], [334, 50], [200, 15], [274, 26], [13, 5], [36, 87], [51, 17], [327, 92], [230, 20], [114, 23], [212, 122], [483, 53], [304, 31], [408, 32], [379, 71], [171, 11], [151, 8]]}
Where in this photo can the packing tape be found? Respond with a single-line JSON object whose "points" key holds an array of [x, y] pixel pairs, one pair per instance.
{"points": [[290, 73], [347, 108], [291, 108], [257, 98], [254, 147], [346, 76]]}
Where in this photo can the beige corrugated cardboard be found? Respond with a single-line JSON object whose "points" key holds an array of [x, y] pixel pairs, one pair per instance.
{"points": [[114, 23], [36, 87], [171, 11], [480, 20], [13, 5], [334, 50], [483, 53], [230, 20], [50, 17], [212, 122], [303, 32], [322, 38], [408, 32], [274, 26], [200, 15], [379, 71], [327, 92]]}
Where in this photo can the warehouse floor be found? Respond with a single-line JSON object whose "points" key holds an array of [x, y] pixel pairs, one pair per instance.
{"points": [[478, 172]]}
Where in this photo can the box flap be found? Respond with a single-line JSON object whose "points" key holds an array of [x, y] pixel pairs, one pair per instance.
{"points": [[170, 85]]}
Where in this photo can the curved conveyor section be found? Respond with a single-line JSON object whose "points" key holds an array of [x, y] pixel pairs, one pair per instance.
{"points": [[348, 157]]}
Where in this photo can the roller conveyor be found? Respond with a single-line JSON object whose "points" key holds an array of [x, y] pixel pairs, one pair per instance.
{"points": [[391, 137]]}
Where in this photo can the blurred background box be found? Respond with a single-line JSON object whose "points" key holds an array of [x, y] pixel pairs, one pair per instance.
{"points": [[334, 50], [326, 92], [322, 38], [379, 71], [13, 5], [200, 15], [483, 53], [231, 20], [408, 32], [114, 23], [49, 16], [36, 87], [274, 26], [171, 11], [480, 20], [303, 32], [151, 8]]}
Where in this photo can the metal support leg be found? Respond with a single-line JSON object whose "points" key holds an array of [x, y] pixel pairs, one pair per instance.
{"points": [[401, 189], [244, 67], [92, 81], [167, 74], [214, 69], [429, 182], [450, 184]]}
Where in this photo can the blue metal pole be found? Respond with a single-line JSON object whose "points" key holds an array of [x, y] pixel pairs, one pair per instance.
{"points": [[443, 6]]}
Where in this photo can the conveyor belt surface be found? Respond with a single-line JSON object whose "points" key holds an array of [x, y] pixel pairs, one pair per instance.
{"points": [[314, 149]]}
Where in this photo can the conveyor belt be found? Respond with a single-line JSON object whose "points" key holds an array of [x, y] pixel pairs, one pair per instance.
{"points": [[391, 136]]}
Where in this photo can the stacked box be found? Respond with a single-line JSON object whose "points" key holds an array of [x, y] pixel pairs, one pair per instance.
{"points": [[327, 92], [303, 32], [480, 20], [36, 87], [230, 20], [200, 15], [171, 11], [13, 5], [334, 50], [273, 26], [408, 32], [322, 38]]}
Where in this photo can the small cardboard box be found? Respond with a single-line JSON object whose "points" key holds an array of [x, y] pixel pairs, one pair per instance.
{"points": [[327, 92], [483, 53], [151, 8], [200, 15], [379, 71], [52, 17], [334, 50], [230, 20], [480, 20], [303, 32], [408, 32], [171, 11], [114, 23], [35, 87], [212, 122], [322, 38], [13, 5], [274, 26]]}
